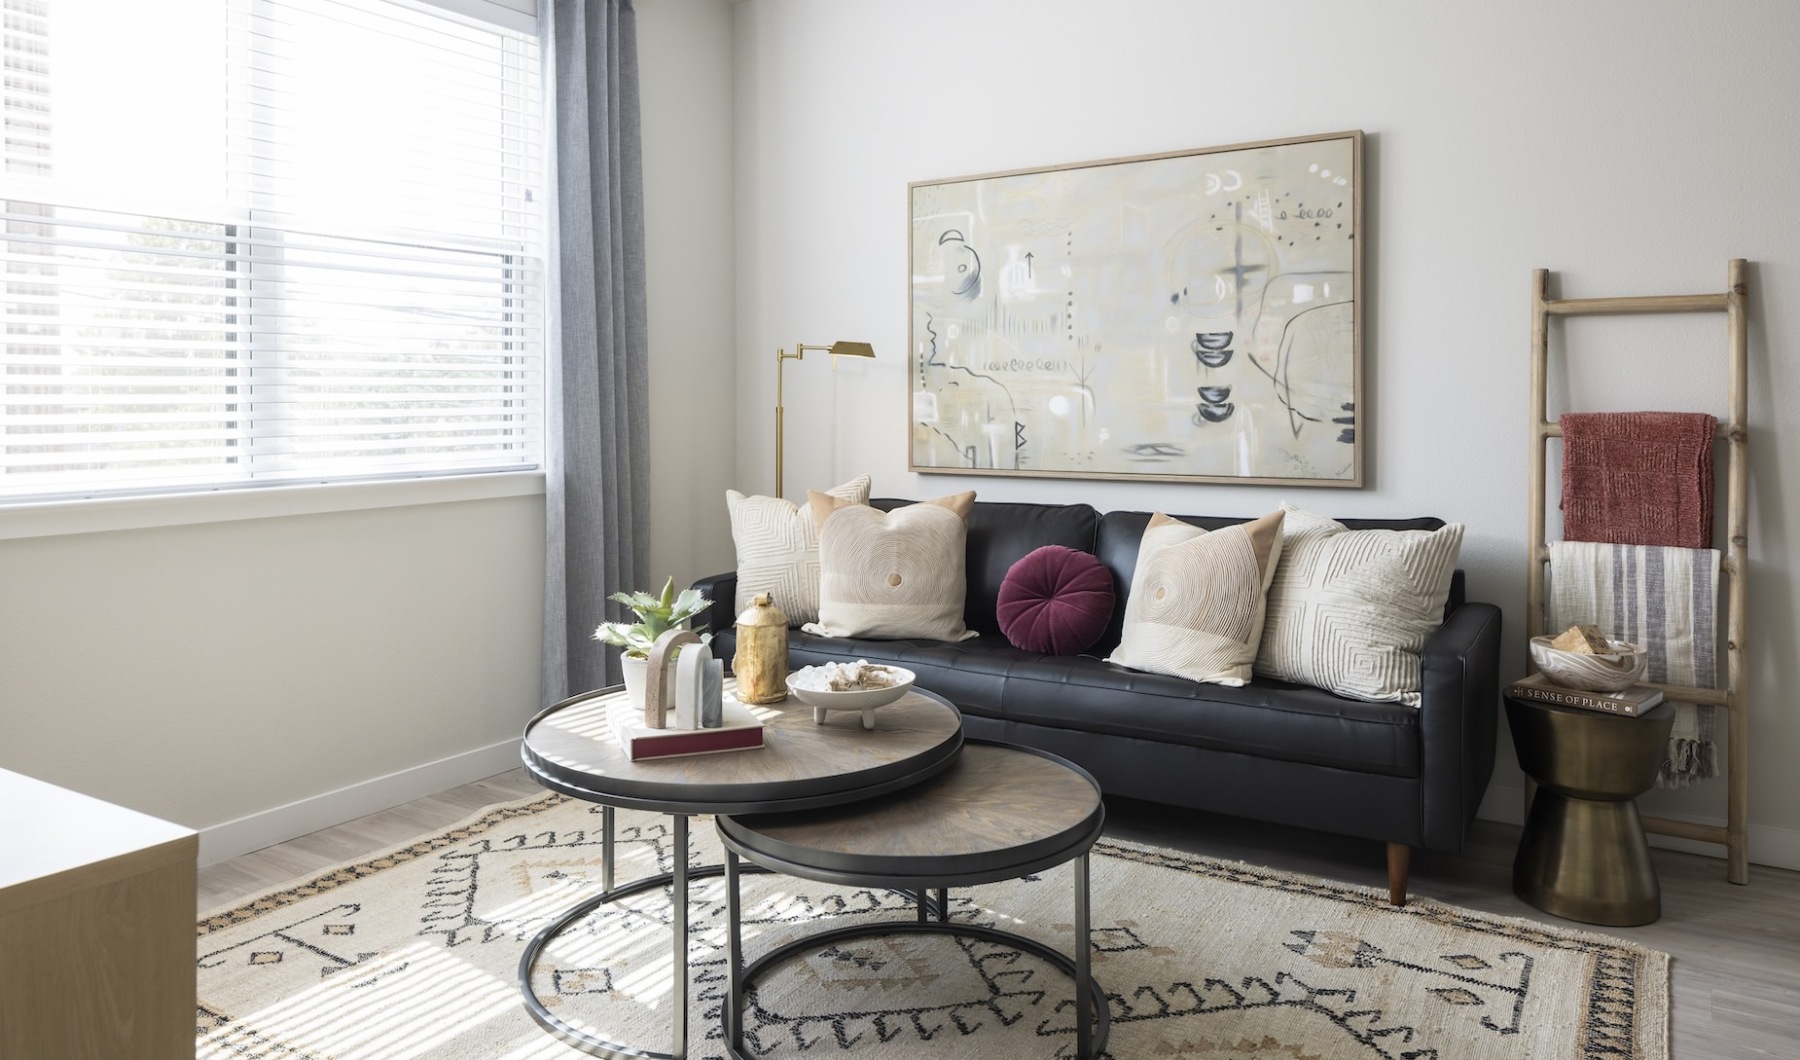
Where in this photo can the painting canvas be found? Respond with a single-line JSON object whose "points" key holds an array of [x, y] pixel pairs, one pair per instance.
{"points": [[1189, 316]]}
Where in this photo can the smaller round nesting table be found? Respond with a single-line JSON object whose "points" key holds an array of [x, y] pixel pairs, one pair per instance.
{"points": [[997, 813], [1583, 855]]}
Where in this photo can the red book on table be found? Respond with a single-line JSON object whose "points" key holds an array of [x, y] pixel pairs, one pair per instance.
{"points": [[741, 731]]}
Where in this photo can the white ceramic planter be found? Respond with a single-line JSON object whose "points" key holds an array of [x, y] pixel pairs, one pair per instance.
{"points": [[637, 673]]}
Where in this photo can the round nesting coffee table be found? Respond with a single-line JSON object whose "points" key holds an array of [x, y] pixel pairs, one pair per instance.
{"points": [[569, 747], [997, 813]]}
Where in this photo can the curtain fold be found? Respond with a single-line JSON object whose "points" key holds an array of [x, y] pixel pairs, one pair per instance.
{"points": [[597, 471]]}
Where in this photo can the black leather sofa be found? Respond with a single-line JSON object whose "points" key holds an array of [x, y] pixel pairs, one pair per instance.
{"points": [[1270, 750]]}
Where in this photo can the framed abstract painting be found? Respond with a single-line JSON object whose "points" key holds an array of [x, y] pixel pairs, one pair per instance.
{"points": [[1190, 317]]}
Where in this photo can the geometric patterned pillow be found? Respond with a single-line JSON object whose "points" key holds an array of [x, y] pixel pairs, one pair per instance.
{"points": [[778, 551], [1350, 610], [1196, 603]]}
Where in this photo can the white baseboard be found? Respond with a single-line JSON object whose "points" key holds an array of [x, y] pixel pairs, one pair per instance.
{"points": [[283, 823], [1776, 847]]}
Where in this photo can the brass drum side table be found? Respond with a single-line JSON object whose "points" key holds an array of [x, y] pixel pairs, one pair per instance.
{"points": [[1583, 855]]}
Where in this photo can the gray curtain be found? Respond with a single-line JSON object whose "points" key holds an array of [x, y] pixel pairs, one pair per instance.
{"points": [[598, 456]]}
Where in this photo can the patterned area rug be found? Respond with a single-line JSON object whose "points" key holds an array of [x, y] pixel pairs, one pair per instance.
{"points": [[414, 954]]}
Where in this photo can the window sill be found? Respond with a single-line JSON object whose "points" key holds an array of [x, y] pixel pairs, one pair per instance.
{"points": [[137, 513]]}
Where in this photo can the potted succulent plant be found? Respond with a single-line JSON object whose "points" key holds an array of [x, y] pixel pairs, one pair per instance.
{"points": [[657, 613]]}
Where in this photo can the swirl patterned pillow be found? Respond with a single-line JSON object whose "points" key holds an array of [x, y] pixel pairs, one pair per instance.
{"points": [[892, 574], [1055, 600], [1197, 599]]}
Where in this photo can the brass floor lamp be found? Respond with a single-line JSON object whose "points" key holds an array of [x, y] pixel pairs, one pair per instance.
{"points": [[836, 349]]}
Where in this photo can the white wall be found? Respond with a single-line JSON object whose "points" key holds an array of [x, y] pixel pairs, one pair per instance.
{"points": [[260, 674], [684, 76], [1632, 155]]}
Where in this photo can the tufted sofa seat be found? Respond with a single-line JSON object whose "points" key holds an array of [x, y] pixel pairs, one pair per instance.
{"points": [[1270, 750]]}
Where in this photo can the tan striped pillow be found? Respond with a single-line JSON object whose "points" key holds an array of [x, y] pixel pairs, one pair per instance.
{"points": [[892, 574], [778, 550], [1350, 610], [1196, 603]]}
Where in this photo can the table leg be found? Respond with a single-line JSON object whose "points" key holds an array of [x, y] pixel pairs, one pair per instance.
{"points": [[734, 955], [678, 996], [920, 896], [606, 848], [1083, 972], [943, 899], [678, 882]]}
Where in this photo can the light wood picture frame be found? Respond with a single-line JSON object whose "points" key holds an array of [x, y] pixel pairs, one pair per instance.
{"points": [[1191, 316]]}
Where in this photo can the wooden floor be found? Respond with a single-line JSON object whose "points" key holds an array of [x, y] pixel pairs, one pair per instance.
{"points": [[1736, 949]]}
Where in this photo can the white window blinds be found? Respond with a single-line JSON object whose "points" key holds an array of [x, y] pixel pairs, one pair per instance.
{"points": [[266, 241]]}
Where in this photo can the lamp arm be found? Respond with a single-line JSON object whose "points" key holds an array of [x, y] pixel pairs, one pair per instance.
{"points": [[850, 349]]}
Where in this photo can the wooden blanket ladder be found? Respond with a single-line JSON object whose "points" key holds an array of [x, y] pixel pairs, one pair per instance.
{"points": [[1735, 563]]}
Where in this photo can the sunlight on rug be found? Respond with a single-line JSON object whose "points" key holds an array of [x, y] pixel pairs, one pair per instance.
{"points": [[414, 953]]}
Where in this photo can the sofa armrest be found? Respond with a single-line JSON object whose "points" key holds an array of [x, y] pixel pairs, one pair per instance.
{"points": [[721, 589], [1457, 721]]}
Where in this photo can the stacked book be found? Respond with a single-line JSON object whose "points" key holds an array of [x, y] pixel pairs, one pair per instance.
{"points": [[1630, 702], [739, 730]]}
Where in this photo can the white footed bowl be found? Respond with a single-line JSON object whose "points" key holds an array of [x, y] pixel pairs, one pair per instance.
{"points": [[1592, 673], [855, 699]]}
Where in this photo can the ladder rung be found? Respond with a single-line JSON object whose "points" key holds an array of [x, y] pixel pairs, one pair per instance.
{"points": [[1726, 563], [1702, 833], [1712, 697], [1722, 432], [1655, 303]]}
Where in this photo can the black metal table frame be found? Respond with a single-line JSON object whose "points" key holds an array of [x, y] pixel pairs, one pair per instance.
{"points": [[709, 799], [1090, 997]]}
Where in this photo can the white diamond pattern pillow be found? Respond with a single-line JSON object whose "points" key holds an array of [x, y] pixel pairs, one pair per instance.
{"points": [[778, 550], [892, 574], [1350, 610], [1196, 603]]}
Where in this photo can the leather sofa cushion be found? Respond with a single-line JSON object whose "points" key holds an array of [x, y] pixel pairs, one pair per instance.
{"points": [[1270, 719]]}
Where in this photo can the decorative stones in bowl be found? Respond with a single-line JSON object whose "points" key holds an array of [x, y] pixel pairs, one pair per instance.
{"points": [[861, 686], [1619, 668]]}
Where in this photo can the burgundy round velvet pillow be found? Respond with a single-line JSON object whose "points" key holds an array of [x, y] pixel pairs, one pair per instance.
{"points": [[1056, 601]]}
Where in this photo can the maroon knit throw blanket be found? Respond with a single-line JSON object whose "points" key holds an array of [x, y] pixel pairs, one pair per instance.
{"points": [[1638, 478]]}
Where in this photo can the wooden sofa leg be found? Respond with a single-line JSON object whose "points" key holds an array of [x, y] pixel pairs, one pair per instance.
{"points": [[1399, 863]]}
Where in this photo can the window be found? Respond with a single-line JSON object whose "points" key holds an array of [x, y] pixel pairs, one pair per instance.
{"points": [[256, 242]]}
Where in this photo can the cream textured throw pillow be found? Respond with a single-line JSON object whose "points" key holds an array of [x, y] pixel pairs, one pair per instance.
{"points": [[1196, 604], [778, 550], [892, 574], [1350, 610]]}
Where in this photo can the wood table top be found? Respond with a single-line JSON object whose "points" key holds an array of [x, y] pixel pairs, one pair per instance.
{"points": [[570, 748], [993, 810]]}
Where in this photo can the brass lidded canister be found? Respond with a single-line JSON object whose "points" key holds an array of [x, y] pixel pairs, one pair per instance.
{"points": [[761, 662]]}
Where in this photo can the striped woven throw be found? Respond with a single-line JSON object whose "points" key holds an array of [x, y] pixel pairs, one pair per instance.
{"points": [[1665, 599]]}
